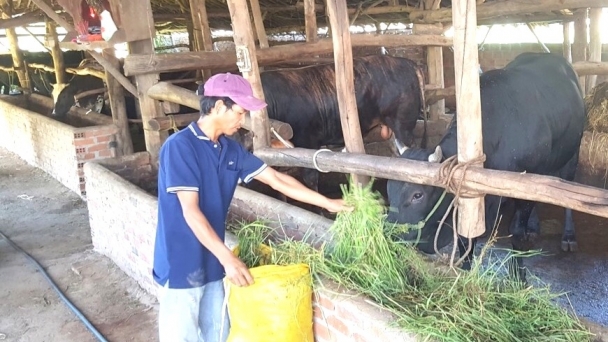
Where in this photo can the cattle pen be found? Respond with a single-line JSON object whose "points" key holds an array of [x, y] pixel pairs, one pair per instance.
{"points": [[98, 160]]}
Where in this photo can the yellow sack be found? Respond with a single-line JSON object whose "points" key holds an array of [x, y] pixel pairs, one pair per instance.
{"points": [[277, 307]]}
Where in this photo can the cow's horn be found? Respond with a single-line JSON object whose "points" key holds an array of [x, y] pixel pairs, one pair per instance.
{"points": [[437, 156]]}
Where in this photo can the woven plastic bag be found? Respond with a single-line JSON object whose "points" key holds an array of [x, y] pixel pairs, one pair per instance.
{"points": [[277, 307]]}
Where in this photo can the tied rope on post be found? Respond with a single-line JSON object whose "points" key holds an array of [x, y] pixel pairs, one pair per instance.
{"points": [[446, 176], [173, 123]]}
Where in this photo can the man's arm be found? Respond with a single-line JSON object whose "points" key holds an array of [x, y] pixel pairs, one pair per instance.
{"points": [[290, 187], [236, 271]]}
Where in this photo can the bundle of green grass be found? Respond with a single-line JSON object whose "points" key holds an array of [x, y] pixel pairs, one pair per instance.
{"points": [[436, 303]]}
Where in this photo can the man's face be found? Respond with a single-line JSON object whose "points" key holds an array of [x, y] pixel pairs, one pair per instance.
{"points": [[232, 119]]}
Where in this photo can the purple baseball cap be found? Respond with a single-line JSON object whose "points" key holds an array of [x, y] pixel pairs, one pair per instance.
{"points": [[236, 88]]}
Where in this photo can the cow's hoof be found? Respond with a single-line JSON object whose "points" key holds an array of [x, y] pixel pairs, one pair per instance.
{"points": [[569, 246]]}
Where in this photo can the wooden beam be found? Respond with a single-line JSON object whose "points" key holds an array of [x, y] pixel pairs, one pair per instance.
{"points": [[434, 62], [310, 19], [434, 95], [140, 64], [496, 9], [258, 22], [118, 107], [23, 20], [48, 10], [18, 61], [579, 47], [202, 32], [595, 42], [471, 211], [164, 91], [113, 70], [527, 186], [248, 66], [345, 84], [591, 68]]}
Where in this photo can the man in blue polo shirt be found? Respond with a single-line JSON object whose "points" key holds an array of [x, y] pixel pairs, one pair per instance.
{"points": [[199, 169]]}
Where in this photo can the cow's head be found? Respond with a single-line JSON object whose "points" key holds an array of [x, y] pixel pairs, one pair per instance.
{"points": [[411, 203], [59, 100]]}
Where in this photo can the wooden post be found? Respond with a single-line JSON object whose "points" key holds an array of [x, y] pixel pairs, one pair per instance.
{"points": [[201, 31], [149, 108], [119, 109], [579, 47], [310, 18], [345, 84], [471, 211], [247, 61], [259, 24], [595, 43], [567, 41], [18, 63], [434, 62], [56, 53]]}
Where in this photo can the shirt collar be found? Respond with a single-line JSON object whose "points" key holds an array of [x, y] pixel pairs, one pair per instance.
{"points": [[197, 131]]}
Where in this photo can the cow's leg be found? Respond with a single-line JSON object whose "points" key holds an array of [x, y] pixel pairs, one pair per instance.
{"points": [[533, 225], [519, 237], [463, 245], [569, 237]]}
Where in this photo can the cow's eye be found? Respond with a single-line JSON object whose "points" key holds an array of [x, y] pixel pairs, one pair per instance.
{"points": [[417, 196]]}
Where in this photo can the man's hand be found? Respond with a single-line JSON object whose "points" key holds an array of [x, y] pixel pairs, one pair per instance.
{"points": [[336, 205], [236, 271]]}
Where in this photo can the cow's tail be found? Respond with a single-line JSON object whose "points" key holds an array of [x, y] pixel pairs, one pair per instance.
{"points": [[422, 104]]}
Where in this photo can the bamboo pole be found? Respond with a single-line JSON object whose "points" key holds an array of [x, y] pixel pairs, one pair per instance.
{"points": [[527, 186], [471, 211], [248, 66], [140, 64], [345, 84]]}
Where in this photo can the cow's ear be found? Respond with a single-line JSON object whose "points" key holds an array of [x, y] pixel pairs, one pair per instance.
{"points": [[437, 156]]}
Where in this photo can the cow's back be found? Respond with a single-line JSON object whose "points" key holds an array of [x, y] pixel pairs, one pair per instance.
{"points": [[305, 98], [533, 115]]}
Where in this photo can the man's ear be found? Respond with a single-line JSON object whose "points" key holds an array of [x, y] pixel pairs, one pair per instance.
{"points": [[219, 107]]}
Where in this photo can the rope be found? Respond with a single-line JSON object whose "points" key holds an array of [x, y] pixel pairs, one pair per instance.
{"points": [[280, 138], [173, 123], [446, 177]]}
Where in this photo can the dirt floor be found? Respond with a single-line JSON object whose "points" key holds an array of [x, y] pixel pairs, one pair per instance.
{"points": [[51, 223]]}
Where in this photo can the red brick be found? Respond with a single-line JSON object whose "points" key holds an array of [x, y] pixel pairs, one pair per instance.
{"points": [[356, 337], [97, 147], [104, 153], [325, 302], [335, 323], [87, 156], [84, 142], [102, 138], [347, 315], [321, 331]]}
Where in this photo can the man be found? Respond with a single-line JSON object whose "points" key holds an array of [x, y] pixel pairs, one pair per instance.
{"points": [[199, 169]]}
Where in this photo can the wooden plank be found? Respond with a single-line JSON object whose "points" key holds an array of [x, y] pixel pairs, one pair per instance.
{"points": [[496, 9], [579, 47], [310, 19], [48, 10], [591, 68], [140, 64], [434, 62], [595, 43], [258, 22], [345, 84], [113, 70], [119, 108], [245, 49], [567, 44], [22, 20], [56, 53], [471, 211], [527, 186], [201, 30]]}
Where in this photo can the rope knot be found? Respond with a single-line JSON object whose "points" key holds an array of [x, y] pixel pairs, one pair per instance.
{"points": [[449, 167]]}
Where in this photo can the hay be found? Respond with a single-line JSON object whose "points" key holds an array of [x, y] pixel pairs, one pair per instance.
{"points": [[594, 153], [596, 104], [436, 303]]}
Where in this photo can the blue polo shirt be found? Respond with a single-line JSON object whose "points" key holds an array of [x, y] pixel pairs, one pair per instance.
{"points": [[190, 161]]}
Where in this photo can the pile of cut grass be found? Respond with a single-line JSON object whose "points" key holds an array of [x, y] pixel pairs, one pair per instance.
{"points": [[436, 303]]}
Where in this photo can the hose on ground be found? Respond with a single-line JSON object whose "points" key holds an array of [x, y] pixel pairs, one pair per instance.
{"points": [[74, 309]]}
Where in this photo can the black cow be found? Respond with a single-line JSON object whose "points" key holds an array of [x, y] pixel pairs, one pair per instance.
{"points": [[532, 120], [64, 94], [388, 90]]}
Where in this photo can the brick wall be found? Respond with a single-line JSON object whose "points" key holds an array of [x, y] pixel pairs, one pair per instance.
{"points": [[123, 188], [56, 147]]}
